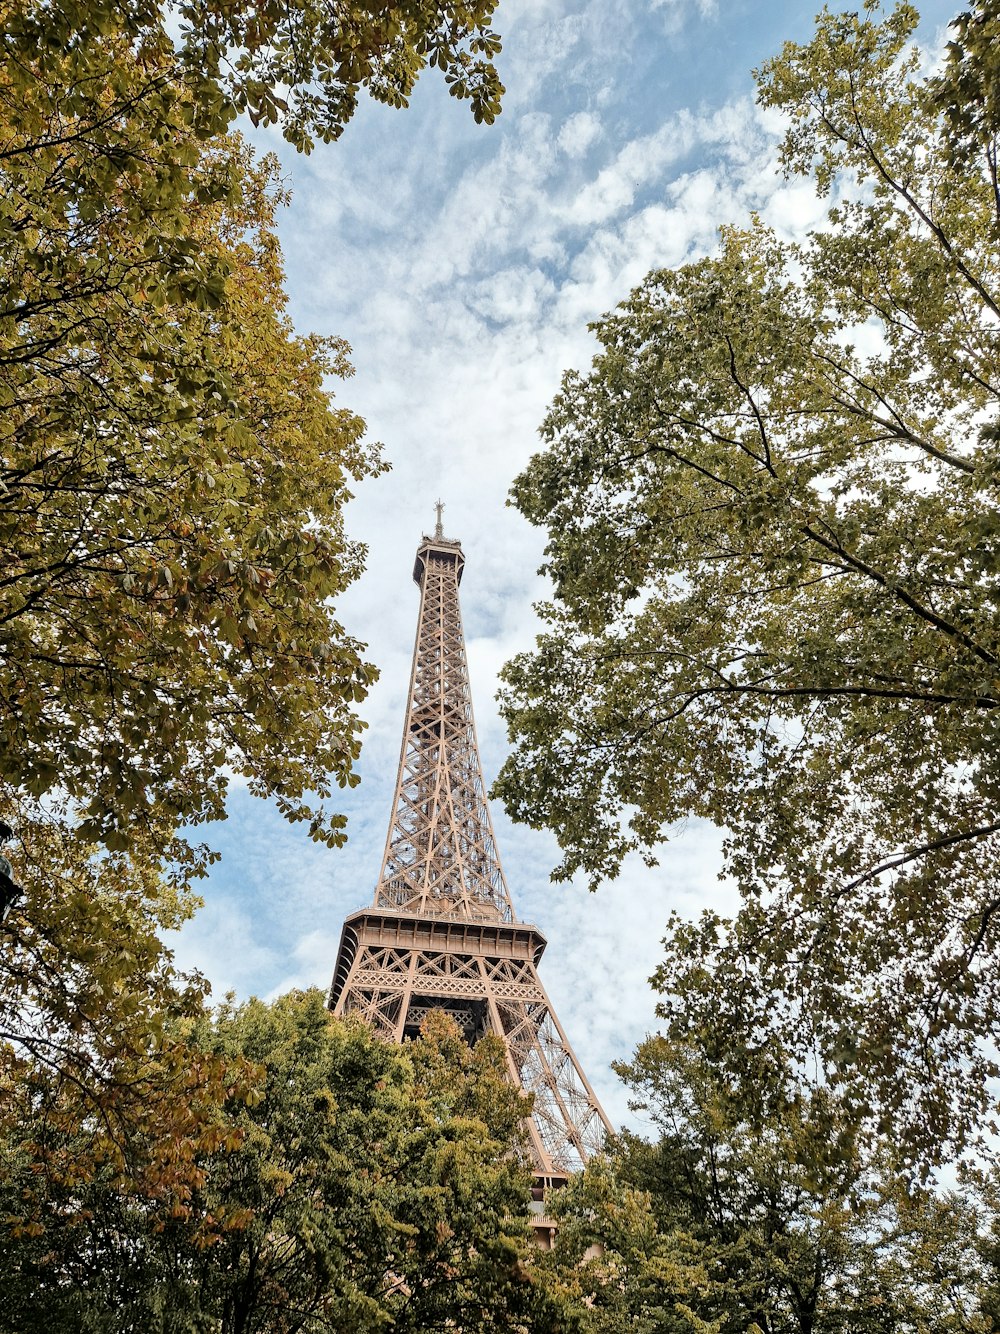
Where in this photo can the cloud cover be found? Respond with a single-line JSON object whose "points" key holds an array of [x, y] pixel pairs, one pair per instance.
{"points": [[463, 263]]}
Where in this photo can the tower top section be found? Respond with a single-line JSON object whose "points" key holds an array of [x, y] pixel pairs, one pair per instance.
{"points": [[443, 549], [440, 856], [441, 546]]}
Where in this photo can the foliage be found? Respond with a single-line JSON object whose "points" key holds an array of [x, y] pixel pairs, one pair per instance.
{"points": [[615, 1263], [173, 473], [96, 1080], [173, 478], [301, 65], [772, 518], [374, 1188], [968, 89], [166, 560], [759, 1208]]}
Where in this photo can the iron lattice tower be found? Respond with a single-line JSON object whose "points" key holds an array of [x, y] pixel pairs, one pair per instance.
{"points": [[442, 932]]}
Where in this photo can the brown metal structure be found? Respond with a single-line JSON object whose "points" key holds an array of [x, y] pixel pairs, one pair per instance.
{"points": [[442, 931]]}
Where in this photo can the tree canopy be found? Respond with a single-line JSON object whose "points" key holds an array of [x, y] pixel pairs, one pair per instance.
{"points": [[368, 1187], [173, 473], [772, 517], [173, 468], [758, 1207], [98, 1079], [301, 65]]}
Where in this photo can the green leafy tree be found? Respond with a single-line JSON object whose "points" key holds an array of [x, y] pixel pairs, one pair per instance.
{"points": [[760, 1207], [174, 478], [374, 1188], [97, 1078], [302, 65], [968, 89], [772, 517], [166, 561], [619, 1266], [172, 469], [173, 472]]}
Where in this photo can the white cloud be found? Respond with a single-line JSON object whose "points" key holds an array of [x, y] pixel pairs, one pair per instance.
{"points": [[515, 295], [679, 12], [794, 209], [578, 133], [463, 263]]}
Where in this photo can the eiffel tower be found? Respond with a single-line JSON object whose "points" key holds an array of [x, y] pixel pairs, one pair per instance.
{"points": [[442, 932]]}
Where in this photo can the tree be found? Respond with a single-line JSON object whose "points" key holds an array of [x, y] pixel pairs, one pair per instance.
{"points": [[759, 1207], [173, 472], [618, 1266], [301, 65], [162, 437], [374, 1187], [174, 477], [772, 518], [968, 89], [97, 1079]]}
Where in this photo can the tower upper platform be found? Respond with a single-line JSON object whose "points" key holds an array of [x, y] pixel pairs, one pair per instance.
{"points": [[443, 548]]}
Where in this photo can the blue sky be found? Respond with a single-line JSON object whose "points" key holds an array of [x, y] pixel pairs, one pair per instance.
{"points": [[463, 264]]}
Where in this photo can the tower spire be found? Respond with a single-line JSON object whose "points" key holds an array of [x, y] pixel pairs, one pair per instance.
{"points": [[442, 932], [438, 529]]}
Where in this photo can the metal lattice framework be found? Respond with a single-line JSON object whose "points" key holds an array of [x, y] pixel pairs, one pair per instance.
{"points": [[442, 932]]}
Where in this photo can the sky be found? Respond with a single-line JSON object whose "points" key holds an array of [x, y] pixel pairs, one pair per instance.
{"points": [[463, 264]]}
